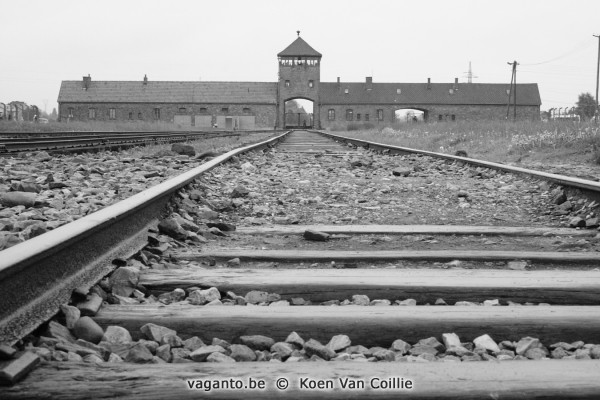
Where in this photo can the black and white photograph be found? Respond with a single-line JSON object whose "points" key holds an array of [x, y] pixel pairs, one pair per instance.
{"points": [[299, 199]]}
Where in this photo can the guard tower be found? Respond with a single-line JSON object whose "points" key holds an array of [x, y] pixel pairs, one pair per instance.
{"points": [[299, 78]]}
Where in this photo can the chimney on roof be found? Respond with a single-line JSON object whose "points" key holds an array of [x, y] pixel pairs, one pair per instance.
{"points": [[338, 81], [428, 83], [455, 83], [369, 79], [145, 79], [87, 80], [369, 82]]}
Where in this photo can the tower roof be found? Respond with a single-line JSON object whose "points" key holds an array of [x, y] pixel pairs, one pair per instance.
{"points": [[299, 48]]}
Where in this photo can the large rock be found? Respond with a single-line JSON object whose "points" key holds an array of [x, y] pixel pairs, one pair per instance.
{"points": [[124, 281], [116, 334], [71, 314], [361, 300], [339, 342], [11, 199], [527, 343], [450, 339], [400, 346], [295, 339], [239, 191], [156, 332], [219, 358], [139, 354], [558, 196], [487, 343], [202, 353], [257, 342], [312, 347], [87, 329], [283, 349], [201, 297], [256, 296], [316, 236], [170, 227], [183, 149], [241, 352]]}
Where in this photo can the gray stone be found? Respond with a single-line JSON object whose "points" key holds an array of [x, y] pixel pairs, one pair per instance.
{"points": [[183, 149], [536, 353], [558, 196], [487, 343], [559, 352], [283, 349], [450, 339], [220, 342], [117, 334], [577, 222], [431, 341], [156, 332], [407, 302], [164, 352], [222, 226], [385, 355], [295, 339], [12, 199], [420, 349], [380, 302], [87, 329], [257, 342], [361, 300], [241, 352], [193, 343], [171, 228], [239, 191], [71, 314], [527, 343], [202, 353], [219, 358], [400, 346], [201, 297], [91, 306], [401, 171], [256, 296], [339, 342], [172, 340], [124, 281], [314, 348], [317, 236], [139, 354], [92, 359], [151, 345]]}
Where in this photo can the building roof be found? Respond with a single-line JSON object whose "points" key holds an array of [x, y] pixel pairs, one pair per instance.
{"points": [[299, 48], [169, 92], [418, 93]]}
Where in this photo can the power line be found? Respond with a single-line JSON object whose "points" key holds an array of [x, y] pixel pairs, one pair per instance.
{"points": [[581, 46]]}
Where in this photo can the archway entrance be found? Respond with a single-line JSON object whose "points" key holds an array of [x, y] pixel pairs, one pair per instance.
{"points": [[298, 113], [410, 115]]}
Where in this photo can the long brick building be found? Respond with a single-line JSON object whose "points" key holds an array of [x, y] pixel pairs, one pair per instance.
{"points": [[250, 105]]}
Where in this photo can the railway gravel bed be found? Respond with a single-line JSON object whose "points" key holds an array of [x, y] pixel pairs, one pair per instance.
{"points": [[304, 253]]}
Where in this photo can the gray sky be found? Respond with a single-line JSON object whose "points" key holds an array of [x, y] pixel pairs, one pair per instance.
{"points": [[47, 41]]}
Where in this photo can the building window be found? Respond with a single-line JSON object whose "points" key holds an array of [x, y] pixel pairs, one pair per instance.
{"points": [[70, 112], [112, 113], [453, 117], [440, 117], [246, 110], [225, 109], [157, 113], [203, 109], [331, 114], [130, 115], [398, 91], [366, 117], [287, 83], [181, 109], [346, 91], [92, 113], [380, 115], [358, 117], [349, 115], [311, 83], [139, 115]]}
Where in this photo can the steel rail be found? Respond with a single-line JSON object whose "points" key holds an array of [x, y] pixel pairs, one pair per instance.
{"points": [[592, 188], [39, 275]]}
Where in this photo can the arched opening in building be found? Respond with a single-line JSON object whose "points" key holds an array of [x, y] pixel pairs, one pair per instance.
{"points": [[410, 116], [298, 113]]}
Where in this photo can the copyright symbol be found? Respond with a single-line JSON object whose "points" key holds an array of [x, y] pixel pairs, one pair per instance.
{"points": [[282, 383]]}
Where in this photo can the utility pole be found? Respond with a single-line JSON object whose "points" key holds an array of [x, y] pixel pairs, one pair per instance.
{"points": [[597, 78], [513, 81]]}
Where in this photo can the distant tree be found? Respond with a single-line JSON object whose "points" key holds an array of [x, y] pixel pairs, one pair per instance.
{"points": [[54, 114], [586, 106]]}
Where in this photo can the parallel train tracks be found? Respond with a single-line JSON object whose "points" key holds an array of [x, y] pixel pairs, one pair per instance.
{"points": [[383, 260]]}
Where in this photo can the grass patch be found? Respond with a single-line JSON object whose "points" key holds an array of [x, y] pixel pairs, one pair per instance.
{"points": [[497, 141]]}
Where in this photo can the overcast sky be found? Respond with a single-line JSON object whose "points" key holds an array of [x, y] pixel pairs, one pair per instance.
{"points": [[47, 41]]}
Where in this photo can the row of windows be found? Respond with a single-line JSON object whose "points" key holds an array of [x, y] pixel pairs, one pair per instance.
{"points": [[350, 115], [311, 83], [112, 112]]}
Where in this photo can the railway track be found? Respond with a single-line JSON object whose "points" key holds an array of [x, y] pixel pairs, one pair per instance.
{"points": [[64, 142], [450, 279]]}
